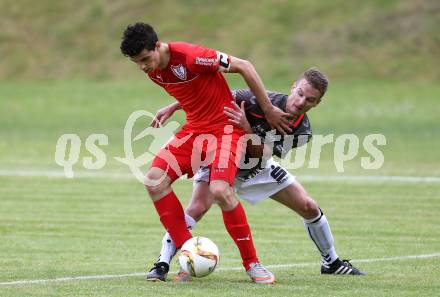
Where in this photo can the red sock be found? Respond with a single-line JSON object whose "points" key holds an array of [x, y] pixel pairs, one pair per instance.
{"points": [[173, 219], [236, 223]]}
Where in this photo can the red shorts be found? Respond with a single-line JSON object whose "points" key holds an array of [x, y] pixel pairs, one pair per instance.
{"points": [[187, 151]]}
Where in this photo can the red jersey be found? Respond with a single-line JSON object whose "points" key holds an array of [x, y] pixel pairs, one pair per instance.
{"points": [[193, 77]]}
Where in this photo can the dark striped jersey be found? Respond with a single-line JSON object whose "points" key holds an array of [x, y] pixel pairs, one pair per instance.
{"points": [[301, 130]]}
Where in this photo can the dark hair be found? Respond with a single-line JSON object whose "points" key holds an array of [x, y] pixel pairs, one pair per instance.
{"points": [[317, 79], [137, 37]]}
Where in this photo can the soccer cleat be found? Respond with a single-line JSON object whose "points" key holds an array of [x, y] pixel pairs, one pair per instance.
{"points": [[259, 274], [182, 277], [159, 272], [343, 267]]}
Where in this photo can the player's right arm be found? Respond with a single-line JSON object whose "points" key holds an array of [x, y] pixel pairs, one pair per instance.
{"points": [[164, 114]]}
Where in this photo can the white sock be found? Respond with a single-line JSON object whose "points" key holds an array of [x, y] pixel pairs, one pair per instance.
{"points": [[168, 247], [190, 222], [320, 233]]}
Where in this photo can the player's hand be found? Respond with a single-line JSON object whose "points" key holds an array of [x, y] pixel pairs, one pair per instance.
{"points": [[279, 120], [162, 115], [237, 116]]}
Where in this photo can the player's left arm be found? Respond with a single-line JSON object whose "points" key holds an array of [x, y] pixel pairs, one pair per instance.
{"points": [[274, 116], [200, 59], [163, 114]]}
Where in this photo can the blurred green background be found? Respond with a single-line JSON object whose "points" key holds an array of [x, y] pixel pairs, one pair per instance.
{"points": [[384, 39], [61, 70]]}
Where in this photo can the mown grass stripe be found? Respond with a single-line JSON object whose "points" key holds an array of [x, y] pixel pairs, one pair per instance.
{"points": [[280, 266], [324, 178]]}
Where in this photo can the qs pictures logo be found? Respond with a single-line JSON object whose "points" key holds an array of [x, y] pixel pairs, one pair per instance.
{"points": [[68, 147]]}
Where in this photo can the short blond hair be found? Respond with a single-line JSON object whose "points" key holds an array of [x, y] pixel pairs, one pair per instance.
{"points": [[316, 78]]}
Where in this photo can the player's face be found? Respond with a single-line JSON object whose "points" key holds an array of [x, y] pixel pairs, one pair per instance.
{"points": [[147, 61], [302, 98]]}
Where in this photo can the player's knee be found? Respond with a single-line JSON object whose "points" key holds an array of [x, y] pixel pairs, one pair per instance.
{"points": [[310, 209], [157, 183], [225, 198], [197, 210], [218, 190]]}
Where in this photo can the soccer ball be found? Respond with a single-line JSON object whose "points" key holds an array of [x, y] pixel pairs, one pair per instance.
{"points": [[198, 256]]}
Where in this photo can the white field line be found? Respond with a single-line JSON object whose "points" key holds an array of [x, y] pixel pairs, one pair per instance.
{"points": [[141, 274], [323, 178]]}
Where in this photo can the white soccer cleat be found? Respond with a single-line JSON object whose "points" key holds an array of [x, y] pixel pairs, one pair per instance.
{"points": [[259, 274]]}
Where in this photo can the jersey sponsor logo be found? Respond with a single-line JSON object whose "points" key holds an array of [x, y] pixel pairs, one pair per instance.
{"points": [[179, 71], [223, 61], [278, 174], [205, 61]]}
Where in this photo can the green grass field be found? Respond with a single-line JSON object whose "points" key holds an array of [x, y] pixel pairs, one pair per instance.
{"points": [[53, 227], [386, 39], [97, 234]]}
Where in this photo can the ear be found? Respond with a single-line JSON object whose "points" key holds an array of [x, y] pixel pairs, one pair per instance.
{"points": [[157, 44], [293, 86]]}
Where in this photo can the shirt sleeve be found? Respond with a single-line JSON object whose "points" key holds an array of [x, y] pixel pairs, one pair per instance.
{"points": [[202, 59], [242, 95]]}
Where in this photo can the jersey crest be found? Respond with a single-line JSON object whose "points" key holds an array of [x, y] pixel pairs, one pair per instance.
{"points": [[179, 71]]}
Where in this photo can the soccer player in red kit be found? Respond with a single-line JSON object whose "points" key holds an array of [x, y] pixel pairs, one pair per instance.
{"points": [[192, 75]]}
